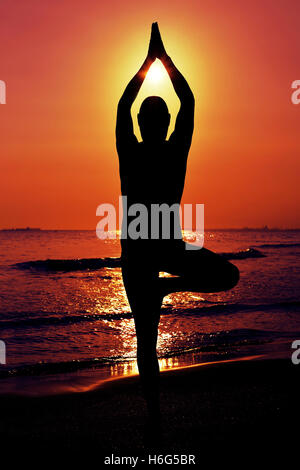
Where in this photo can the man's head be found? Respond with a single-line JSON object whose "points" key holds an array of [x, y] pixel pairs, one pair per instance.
{"points": [[154, 119]]}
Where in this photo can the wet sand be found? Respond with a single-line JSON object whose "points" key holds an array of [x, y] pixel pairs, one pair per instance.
{"points": [[216, 411]]}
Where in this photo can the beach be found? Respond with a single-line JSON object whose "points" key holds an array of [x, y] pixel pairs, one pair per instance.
{"points": [[70, 387], [246, 404]]}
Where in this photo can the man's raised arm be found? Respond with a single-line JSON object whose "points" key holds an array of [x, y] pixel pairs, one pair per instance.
{"points": [[124, 127], [180, 84], [185, 119], [184, 125]]}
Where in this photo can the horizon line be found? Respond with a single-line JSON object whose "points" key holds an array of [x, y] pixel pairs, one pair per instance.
{"points": [[209, 229]]}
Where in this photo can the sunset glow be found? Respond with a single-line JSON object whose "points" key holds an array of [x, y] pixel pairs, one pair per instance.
{"points": [[156, 72], [65, 69]]}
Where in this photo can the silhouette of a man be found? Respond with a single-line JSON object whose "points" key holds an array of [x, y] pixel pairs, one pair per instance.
{"points": [[153, 172]]}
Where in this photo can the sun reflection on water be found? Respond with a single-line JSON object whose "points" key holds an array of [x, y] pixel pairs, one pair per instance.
{"points": [[131, 367]]}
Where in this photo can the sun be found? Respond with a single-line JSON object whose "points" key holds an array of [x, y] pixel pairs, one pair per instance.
{"points": [[156, 72]]}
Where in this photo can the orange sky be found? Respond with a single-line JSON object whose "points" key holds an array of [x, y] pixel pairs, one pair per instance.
{"points": [[66, 63]]}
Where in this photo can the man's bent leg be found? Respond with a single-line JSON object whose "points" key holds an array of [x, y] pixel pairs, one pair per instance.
{"points": [[198, 271]]}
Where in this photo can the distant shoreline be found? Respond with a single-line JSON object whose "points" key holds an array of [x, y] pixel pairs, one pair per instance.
{"points": [[25, 229]]}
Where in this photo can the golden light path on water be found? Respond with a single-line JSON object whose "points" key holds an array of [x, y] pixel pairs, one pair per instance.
{"points": [[118, 334], [111, 300], [131, 368]]}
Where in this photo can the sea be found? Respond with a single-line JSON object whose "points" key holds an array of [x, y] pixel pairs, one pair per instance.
{"points": [[66, 326]]}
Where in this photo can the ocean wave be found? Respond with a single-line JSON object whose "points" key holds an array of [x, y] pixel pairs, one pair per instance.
{"points": [[92, 264], [66, 319], [70, 319], [228, 309], [244, 254], [65, 265], [278, 245], [42, 368], [221, 342]]}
